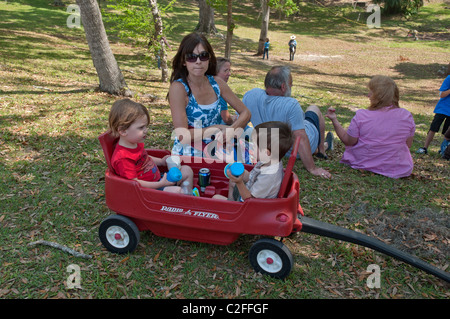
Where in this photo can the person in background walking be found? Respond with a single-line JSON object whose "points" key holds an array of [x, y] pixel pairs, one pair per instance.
{"points": [[266, 49], [292, 48]]}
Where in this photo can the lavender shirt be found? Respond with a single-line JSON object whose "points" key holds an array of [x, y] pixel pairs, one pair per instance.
{"points": [[381, 146]]}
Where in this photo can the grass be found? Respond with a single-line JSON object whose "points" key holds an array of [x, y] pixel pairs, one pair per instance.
{"points": [[52, 167]]}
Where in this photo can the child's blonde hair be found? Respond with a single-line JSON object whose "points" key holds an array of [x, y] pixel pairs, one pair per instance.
{"points": [[123, 113]]}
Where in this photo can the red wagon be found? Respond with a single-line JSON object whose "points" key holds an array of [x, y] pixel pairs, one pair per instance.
{"points": [[201, 219], [215, 221]]}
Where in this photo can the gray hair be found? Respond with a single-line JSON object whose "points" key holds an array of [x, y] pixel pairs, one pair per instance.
{"points": [[277, 76], [221, 61]]}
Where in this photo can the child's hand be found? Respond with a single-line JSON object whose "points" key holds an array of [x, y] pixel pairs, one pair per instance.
{"points": [[164, 160], [160, 161], [165, 182], [233, 178]]}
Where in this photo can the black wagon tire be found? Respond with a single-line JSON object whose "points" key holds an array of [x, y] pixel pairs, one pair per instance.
{"points": [[271, 257], [119, 234]]}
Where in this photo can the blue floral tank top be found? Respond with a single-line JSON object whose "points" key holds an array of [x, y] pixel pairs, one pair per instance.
{"points": [[199, 116]]}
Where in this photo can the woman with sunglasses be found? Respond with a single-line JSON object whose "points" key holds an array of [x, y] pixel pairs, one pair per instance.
{"points": [[194, 96]]}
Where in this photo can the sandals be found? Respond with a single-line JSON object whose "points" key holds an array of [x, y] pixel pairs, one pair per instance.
{"points": [[329, 139], [321, 156]]}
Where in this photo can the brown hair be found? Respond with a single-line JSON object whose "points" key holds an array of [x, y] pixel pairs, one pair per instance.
{"points": [[384, 92], [283, 140], [123, 113], [187, 45]]}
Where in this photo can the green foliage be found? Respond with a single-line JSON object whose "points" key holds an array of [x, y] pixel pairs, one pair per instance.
{"points": [[405, 7], [133, 22], [288, 7]]}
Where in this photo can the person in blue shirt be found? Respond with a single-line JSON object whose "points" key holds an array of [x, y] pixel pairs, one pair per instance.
{"points": [[441, 114], [292, 48], [266, 49]]}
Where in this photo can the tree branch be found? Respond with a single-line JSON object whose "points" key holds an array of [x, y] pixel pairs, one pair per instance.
{"points": [[63, 248]]}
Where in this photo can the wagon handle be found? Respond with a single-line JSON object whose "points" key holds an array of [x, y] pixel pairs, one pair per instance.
{"points": [[288, 170], [316, 227]]}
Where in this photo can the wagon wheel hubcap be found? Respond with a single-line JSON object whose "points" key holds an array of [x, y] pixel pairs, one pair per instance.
{"points": [[117, 236], [269, 261]]}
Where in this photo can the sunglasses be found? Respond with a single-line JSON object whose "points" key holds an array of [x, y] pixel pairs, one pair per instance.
{"points": [[191, 57]]}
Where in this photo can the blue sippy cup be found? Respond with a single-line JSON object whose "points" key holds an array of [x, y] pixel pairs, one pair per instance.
{"points": [[174, 175], [236, 169]]}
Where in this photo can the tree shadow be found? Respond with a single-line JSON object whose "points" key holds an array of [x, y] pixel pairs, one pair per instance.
{"points": [[419, 71], [41, 14], [43, 90]]}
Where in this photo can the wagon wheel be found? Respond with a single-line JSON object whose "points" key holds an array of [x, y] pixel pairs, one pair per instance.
{"points": [[271, 257], [119, 234]]}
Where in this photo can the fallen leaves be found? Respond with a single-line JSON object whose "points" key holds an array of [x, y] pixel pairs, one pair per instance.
{"points": [[49, 138], [430, 237]]}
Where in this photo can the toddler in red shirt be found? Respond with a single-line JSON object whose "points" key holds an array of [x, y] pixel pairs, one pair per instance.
{"points": [[129, 120]]}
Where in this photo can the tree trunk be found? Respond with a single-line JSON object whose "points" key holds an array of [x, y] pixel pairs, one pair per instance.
{"points": [[159, 37], [265, 9], [206, 18], [230, 28], [109, 74]]}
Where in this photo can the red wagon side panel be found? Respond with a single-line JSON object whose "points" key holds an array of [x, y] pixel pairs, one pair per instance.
{"points": [[201, 219]]}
